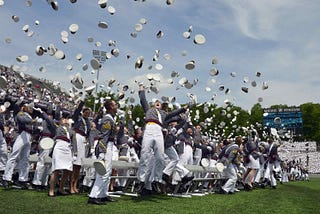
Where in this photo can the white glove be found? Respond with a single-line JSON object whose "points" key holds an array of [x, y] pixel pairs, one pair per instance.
{"points": [[179, 132], [40, 128], [130, 139], [92, 151], [38, 109], [39, 120], [177, 142], [74, 158]]}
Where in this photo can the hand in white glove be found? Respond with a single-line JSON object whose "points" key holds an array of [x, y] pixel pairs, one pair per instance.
{"points": [[74, 158], [39, 120], [130, 140], [38, 109]]}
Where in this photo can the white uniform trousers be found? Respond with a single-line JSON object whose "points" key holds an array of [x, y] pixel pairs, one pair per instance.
{"points": [[90, 172], [101, 185], [269, 174], [196, 160], [231, 173], [133, 156], [43, 170], [20, 153], [187, 156], [150, 172], [284, 176], [174, 165], [259, 173], [197, 156], [3, 152], [152, 143]]}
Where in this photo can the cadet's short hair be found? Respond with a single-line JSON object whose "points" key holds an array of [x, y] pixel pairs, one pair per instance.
{"points": [[107, 104]]}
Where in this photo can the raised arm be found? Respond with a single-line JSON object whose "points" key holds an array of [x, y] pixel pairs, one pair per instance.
{"points": [[77, 112], [143, 99]]}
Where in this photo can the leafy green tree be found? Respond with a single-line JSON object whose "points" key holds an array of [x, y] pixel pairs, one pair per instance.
{"points": [[311, 122]]}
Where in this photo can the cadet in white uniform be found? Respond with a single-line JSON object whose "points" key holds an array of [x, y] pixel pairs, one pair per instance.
{"points": [[41, 173], [153, 141], [21, 148], [99, 193]]}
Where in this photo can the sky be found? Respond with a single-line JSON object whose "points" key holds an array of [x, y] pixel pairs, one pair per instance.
{"points": [[278, 39]]}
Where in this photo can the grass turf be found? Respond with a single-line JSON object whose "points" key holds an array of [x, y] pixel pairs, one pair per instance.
{"points": [[294, 197]]}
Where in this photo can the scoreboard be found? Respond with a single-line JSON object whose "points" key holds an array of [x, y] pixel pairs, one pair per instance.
{"points": [[283, 118]]}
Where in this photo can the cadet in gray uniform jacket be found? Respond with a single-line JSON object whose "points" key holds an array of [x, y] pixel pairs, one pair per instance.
{"points": [[99, 192], [21, 148], [229, 157], [82, 128], [153, 140], [41, 174], [63, 154]]}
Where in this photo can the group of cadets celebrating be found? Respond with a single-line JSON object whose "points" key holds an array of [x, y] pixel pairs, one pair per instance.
{"points": [[162, 148]]}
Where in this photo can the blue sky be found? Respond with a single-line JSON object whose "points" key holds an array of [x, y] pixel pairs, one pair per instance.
{"points": [[280, 39]]}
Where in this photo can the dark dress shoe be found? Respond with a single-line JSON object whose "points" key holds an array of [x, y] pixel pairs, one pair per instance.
{"points": [[247, 187], [166, 178], [156, 186], [96, 201], [108, 199], [139, 187], [21, 185], [146, 192], [222, 191], [6, 184], [186, 179]]}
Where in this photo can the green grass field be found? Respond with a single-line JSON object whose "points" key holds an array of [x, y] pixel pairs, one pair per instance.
{"points": [[299, 197]]}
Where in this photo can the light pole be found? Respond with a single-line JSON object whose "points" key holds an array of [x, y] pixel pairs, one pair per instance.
{"points": [[101, 57]]}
